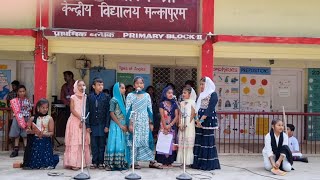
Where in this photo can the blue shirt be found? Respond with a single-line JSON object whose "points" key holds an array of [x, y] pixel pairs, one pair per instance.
{"points": [[99, 117]]}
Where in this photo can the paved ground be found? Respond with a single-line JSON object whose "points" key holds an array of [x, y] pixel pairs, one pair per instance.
{"points": [[232, 168]]}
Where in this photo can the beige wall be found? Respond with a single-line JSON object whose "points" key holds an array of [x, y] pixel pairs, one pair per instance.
{"points": [[268, 17], [18, 14]]}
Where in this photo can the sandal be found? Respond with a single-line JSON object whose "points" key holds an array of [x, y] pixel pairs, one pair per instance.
{"points": [[108, 168], [155, 164], [101, 166], [136, 166], [93, 166]]}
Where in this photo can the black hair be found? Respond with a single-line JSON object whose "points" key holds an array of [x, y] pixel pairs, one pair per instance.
{"points": [[275, 121], [172, 85], [203, 79], [129, 86], [97, 80], [137, 78], [22, 86], [68, 73], [15, 82], [291, 127], [41, 102], [188, 89], [189, 82], [149, 87]]}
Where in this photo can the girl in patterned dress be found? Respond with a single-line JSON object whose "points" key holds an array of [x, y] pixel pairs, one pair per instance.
{"points": [[205, 151], [169, 117], [139, 102], [116, 150], [39, 151]]}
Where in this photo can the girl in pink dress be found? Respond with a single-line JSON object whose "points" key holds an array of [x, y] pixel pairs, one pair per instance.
{"points": [[73, 137]]}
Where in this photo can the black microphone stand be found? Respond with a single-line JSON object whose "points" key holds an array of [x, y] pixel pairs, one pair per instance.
{"points": [[83, 175]]}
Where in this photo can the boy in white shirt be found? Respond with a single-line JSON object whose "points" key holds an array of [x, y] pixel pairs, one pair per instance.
{"points": [[294, 145]]}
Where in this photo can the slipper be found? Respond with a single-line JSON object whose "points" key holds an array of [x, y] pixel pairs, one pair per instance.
{"points": [[155, 164], [93, 166]]}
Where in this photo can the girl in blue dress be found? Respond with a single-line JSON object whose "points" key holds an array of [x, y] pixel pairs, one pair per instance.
{"points": [[139, 102], [39, 151], [116, 151]]}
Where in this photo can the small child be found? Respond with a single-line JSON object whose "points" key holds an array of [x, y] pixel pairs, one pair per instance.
{"points": [[187, 125], [294, 145], [116, 150], [169, 117], [98, 122], [73, 137], [39, 151], [276, 153], [21, 107]]}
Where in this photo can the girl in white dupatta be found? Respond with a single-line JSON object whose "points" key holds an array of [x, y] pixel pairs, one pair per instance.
{"points": [[187, 125], [205, 151]]}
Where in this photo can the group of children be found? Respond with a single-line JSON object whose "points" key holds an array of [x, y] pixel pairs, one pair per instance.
{"points": [[281, 148], [110, 125], [191, 124]]}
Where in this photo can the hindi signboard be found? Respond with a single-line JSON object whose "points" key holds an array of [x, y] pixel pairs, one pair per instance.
{"points": [[127, 15]]}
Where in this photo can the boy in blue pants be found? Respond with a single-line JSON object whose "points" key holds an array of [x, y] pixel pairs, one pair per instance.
{"points": [[98, 122]]}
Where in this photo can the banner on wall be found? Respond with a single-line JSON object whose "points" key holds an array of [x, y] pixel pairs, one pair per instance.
{"points": [[314, 103], [126, 72]]}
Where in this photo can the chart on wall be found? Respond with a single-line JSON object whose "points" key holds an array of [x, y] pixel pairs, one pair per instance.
{"points": [[126, 72], [255, 89], [5, 80], [227, 86], [314, 103]]}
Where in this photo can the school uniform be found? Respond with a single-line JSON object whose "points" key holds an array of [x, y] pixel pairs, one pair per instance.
{"points": [[99, 119], [276, 146]]}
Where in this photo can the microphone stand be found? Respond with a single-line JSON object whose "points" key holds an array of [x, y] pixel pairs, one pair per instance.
{"points": [[184, 175], [83, 175], [133, 175]]}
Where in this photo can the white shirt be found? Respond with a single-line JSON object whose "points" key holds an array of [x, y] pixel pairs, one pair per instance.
{"points": [[294, 144], [267, 143]]}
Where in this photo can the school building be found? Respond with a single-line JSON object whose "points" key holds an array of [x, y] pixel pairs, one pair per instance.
{"points": [[262, 55]]}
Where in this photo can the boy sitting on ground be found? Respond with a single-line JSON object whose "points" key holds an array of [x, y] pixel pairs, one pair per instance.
{"points": [[294, 145]]}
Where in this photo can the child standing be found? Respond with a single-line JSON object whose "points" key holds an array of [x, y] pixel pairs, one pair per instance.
{"points": [[169, 117], [98, 122], [187, 125], [116, 152], [21, 107], [73, 137], [294, 145], [39, 151], [205, 151], [140, 102], [14, 93], [276, 153]]}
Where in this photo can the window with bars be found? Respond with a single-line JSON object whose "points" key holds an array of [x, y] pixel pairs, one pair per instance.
{"points": [[176, 75]]}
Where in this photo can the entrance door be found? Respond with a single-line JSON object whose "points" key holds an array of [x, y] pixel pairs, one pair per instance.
{"points": [[26, 76], [287, 90]]}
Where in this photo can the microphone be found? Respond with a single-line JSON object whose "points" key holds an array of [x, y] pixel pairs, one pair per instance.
{"points": [[174, 97], [138, 89]]}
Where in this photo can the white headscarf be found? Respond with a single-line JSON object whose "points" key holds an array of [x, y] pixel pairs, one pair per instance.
{"points": [[193, 96], [209, 88]]}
